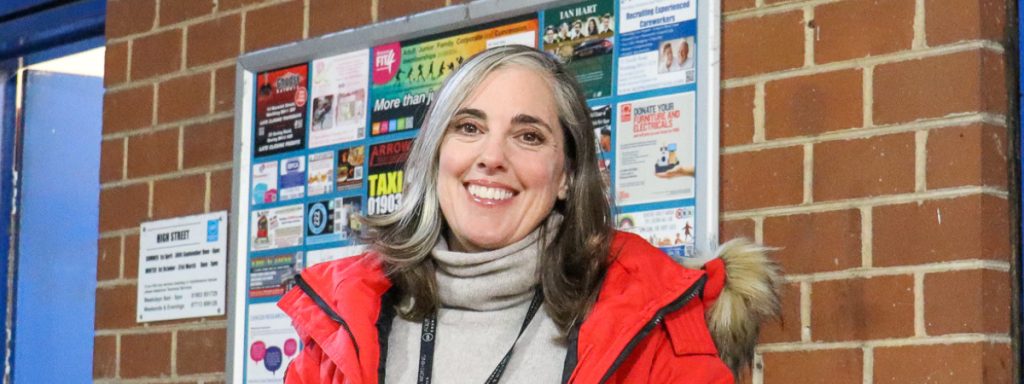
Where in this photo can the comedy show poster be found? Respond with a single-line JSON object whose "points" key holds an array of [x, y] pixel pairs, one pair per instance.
{"points": [[272, 344], [406, 74], [671, 230], [338, 112], [385, 180], [281, 97], [654, 158], [657, 45], [271, 275], [583, 36]]}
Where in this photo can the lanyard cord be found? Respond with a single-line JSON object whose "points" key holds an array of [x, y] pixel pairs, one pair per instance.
{"points": [[429, 336]]}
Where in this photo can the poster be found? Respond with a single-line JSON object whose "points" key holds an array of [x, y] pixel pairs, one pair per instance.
{"points": [[333, 220], [601, 117], [331, 254], [264, 182], [276, 228], [671, 230], [320, 177], [272, 344], [385, 180], [292, 180], [654, 158], [350, 167], [583, 37], [182, 267], [656, 41], [339, 98], [406, 74], [281, 97], [271, 275]]}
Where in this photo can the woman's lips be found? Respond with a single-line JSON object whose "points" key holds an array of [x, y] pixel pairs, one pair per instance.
{"points": [[489, 193]]}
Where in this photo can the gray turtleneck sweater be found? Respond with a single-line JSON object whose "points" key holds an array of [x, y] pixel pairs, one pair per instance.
{"points": [[485, 297]]}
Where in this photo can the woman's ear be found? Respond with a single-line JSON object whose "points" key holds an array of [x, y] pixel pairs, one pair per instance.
{"points": [[563, 189]]}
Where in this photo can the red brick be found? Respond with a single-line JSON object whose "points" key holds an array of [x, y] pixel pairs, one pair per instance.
{"points": [[949, 21], [764, 44], [735, 229], [736, 5], [153, 153], [156, 54], [972, 155], [220, 191], [201, 351], [326, 16], [814, 104], [787, 327], [108, 258], [859, 28], [971, 227], [115, 307], [759, 179], [115, 64], [209, 143], [173, 12], [830, 366], [879, 165], [215, 40], [976, 301], [126, 17], [112, 160], [972, 81], [131, 256], [180, 196], [123, 207], [184, 97], [863, 308], [394, 9], [146, 355], [944, 364], [104, 355], [226, 5], [737, 116], [801, 240], [274, 25], [224, 89], [127, 109]]}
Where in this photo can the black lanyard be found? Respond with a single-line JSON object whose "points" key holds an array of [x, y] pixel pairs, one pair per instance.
{"points": [[430, 335]]}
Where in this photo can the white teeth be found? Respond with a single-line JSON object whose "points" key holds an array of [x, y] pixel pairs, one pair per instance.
{"points": [[488, 193]]}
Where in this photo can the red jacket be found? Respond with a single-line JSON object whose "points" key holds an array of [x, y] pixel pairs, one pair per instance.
{"points": [[647, 326]]}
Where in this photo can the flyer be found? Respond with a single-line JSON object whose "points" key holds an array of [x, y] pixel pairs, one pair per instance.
{"points": [[339, 98], [671, 230], [264, 182], [292, 180], [601, 117], [331, 254], [271, 275], [320, 177], [656, 41], [406, 74], [385, 182], [272, 344], [333, 220], [281, 97], [583, 37], [276, 228], [654, 158], [350, 167], [182, 267]]}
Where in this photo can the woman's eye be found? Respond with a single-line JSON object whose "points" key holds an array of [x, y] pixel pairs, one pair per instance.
{"points": [[532, 138], [467, 129]]}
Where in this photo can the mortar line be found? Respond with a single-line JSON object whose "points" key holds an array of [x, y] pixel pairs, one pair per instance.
{"points": [[869, 365], [920, 41], [167, 176], [181, 147], [810, 35], [121, 258], [867, 273], [808, 186], [758, 229], [935, 194], [805, 311], [759, 113], [206, 193], [868, 97], [866, 237], [305, 19], [124, 158], [919, 320], [886, 343], [921, 160], [174, 353]]}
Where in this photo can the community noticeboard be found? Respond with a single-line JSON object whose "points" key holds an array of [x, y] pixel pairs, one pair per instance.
{"points": [[326, 140]]}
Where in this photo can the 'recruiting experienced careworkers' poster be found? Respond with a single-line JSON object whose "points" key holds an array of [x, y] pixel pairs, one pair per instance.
{"points": [[331, 136]]}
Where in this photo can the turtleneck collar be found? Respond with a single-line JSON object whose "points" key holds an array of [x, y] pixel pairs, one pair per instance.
{"points": [[495, 279]]}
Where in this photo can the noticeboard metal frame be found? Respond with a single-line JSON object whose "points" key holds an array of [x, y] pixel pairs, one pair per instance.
{"points": [[427, 23]]}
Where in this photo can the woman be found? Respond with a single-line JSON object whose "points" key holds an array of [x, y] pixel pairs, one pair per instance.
{"points": [[501, 264]]}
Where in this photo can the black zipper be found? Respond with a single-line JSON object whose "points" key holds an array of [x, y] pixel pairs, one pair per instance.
{"points": [[675, 305], [327, 309]]}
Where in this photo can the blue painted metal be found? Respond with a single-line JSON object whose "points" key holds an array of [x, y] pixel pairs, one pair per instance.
{"points": [[30, 26], [8, 90], [56, 280]]}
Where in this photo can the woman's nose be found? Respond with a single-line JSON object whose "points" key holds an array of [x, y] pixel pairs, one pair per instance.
{"points": [[492, 156]]}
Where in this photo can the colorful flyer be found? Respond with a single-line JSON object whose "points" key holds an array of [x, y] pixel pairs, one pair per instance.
{"points": [[656, 41], [264, 182], [331, 254], [671, 230], [276, 228], [601, 116], [385, 180], [583, 37], [654, 158], [273, 343], [281, 98], [339, 98], [350, 167], [406, 74], [292, 179], [320, 177], [271, 275], [333, 220]]}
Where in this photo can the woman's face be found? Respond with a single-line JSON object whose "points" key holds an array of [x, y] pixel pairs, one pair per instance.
{"points": [[502, 161]]}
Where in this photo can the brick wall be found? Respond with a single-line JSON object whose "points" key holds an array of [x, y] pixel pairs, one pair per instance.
{"points": [[866, 139]]}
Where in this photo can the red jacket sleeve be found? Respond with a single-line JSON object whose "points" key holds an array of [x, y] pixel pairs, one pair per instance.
{"points": [[312, 367]]}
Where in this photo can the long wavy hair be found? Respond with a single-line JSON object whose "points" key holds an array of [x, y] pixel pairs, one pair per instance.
{"points": [[574, 261]]}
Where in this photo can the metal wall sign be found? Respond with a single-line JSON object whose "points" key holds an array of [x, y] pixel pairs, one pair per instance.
{"points": [[324, 126]]}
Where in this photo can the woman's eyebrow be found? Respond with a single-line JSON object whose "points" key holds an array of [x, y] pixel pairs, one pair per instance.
{"points": [[523, 118], [472, 112]]}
